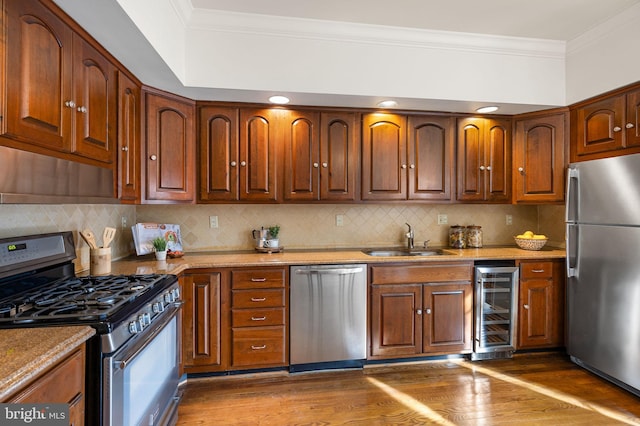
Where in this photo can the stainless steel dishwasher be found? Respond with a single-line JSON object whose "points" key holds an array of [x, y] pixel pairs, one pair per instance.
{"points": [[328, 324]]}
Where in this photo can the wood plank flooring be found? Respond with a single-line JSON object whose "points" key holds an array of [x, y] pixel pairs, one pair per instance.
{"points": [[531, 389]]}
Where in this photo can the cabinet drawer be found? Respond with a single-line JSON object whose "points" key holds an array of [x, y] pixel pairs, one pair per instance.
{"points": [[256, 347], [411, 274], [530, 270], [62, 384], [257, 278], [271, 298], [257, 317]]}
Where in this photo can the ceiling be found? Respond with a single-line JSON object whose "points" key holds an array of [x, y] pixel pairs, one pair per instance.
{"points": [[546, 19]]}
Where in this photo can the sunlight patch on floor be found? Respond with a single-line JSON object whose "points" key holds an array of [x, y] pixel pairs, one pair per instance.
{"points": [[578, 402], [411, 403]]}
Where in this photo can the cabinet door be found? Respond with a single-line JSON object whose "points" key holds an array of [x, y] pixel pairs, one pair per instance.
{"points": [[538, 159], [471, 166], [536, 304], [170, 149], [218, 154], [339, 155], [38, 76], [129, 104], [396, 320], [448, 321], [497, 160], [632, 122], [258, 154], [430, 156], [598, 126], [203, 323], [301, 137], [384, 157], [95, 82]]}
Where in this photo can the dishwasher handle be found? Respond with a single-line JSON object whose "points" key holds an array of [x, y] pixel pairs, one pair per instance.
{"points": [[332, 271]]}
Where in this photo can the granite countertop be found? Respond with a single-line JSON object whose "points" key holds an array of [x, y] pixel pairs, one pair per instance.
{"points": [[27, 352], [148, 265]]}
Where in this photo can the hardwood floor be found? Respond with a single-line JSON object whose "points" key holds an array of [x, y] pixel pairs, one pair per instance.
{"points": [[531, 389]]}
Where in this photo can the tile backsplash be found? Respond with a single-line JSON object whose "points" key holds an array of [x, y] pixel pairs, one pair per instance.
{"points": [[302, 225]]}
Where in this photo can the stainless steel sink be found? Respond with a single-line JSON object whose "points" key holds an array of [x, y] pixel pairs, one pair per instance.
{"points": [[403, 252]]}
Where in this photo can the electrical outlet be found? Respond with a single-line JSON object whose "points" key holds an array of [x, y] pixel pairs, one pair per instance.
{"points": [[509, 219], [443, 219], [123, 222], [213, 222], [339, 220]]}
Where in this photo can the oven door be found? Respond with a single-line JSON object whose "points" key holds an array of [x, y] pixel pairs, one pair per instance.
{"points": [[140, 384]]}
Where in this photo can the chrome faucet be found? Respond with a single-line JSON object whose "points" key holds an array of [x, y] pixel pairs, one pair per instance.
{"points": [[409, 236]]}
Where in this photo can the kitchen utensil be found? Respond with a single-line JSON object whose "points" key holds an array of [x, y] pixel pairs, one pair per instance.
{"points": [[90, 239], [107, 236]]}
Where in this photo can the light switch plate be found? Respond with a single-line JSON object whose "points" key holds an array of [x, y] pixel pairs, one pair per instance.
{"points": [[443, 219], [339, 220], [509, 219], [213, 221]]}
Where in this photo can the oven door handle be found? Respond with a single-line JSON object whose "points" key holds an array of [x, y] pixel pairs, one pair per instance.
{"points": [[166, 319]]}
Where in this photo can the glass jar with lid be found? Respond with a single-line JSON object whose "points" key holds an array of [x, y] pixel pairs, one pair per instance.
{"points": [[474, 236], [457, 237]]}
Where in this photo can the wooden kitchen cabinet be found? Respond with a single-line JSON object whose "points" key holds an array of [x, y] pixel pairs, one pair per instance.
{"points": [[61, 88], [129, 134], [539, 157], [541, 304], [63, 383], [169, 148], [421, 309], [406, 157], [301, 140], [205, 320], [484, 160], [606, 126], [259, 300]]}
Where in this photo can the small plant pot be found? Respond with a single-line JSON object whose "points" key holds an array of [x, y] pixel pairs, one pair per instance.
{"points": [[272, 243], [161, 255]]}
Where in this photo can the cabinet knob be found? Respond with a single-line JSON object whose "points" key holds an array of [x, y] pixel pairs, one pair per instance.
{"points": [[428, 311], [419, 311], [316, 165], [489, 168], [482, 168], [153, 157], [125, 148], [617, 129], [412, 166], [70, 104], [82, 109], [629, 126], [521, 170], [233, 164], [325, 165], [525, 306], [243, 163], [404, 166]]}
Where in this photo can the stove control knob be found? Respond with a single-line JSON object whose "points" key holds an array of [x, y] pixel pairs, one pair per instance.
{"points": [[135, 327], [176, 294], [144, 319], [168, 297], [157, 307]]}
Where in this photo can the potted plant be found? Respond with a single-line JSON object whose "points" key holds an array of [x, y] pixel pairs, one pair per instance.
{"points": [[160, 246], [272, 240]]}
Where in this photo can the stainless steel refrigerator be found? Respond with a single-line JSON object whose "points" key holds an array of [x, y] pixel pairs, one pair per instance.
{"points": [[603, 268]]}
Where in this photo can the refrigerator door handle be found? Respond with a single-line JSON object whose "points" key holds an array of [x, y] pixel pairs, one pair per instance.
{"points": [[572, 250], [571, 212]]}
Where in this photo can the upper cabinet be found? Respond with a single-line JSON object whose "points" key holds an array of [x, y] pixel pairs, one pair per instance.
{"points": [[169, 149], [339, 155], [259, 149], [62, 90], [301, 140], [129, 133], [605, 127], [406, 157], [484, 160], [539, 157]]}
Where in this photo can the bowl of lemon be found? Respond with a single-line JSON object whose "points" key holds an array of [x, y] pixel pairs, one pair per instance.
{"points": [[531, 241]]}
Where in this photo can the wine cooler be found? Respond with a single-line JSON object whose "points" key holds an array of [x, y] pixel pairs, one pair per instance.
{"points": [[496, 301]]}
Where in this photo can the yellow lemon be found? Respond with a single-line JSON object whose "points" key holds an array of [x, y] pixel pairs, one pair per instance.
{"points": [[539, 237], [520, 236], [528, 234]]}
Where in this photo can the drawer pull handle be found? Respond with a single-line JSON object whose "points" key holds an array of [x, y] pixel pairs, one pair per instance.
{"points": [[257, 348], [537, 271], [258, 318], [258, 299], [258, 280]]}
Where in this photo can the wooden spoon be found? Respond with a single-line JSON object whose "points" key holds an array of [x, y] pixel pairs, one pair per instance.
{"points": [[88, 236], [107, 236]]}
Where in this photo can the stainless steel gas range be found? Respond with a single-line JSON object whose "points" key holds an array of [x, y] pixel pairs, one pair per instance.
{"points": [[133, 374]]}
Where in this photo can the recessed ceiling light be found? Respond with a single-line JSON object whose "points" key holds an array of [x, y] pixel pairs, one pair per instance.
{"points": [[387, 104], [280, 100], [491, 108]]}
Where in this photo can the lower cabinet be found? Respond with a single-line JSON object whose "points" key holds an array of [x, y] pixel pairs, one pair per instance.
{"points": [[63, 383], [541, 304], [421, 309], [235, 319]]}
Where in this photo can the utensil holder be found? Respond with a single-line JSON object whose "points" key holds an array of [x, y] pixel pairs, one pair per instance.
{"points": [[100, 261]]}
